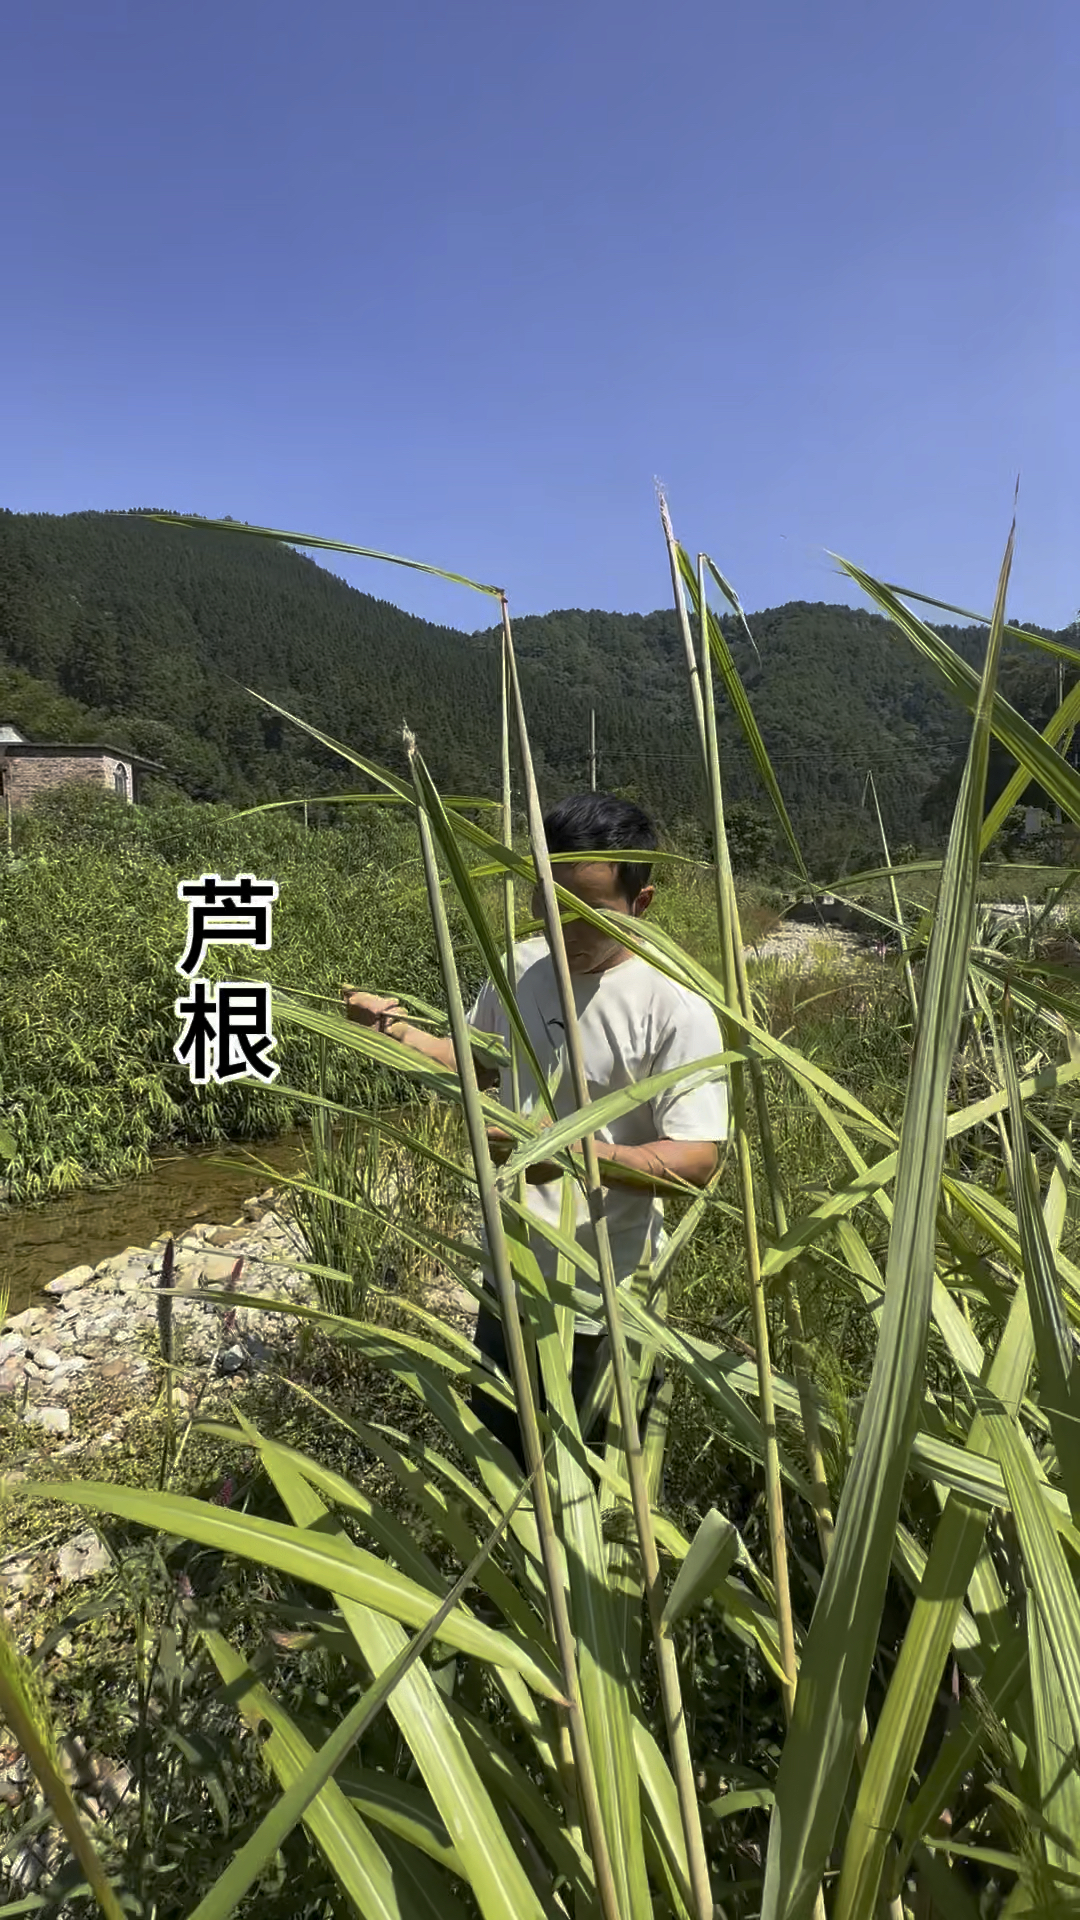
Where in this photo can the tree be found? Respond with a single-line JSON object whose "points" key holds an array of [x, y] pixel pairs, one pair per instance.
{"points": [[750, 836]]}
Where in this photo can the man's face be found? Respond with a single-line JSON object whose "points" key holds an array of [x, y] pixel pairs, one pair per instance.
{"points": [[597, 884]]}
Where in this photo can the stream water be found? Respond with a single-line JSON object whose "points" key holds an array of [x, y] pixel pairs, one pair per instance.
{"points": [[37, 1243]]}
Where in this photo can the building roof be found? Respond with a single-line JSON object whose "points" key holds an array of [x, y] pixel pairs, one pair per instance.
{"points": [[10, 736], [71, 749]]}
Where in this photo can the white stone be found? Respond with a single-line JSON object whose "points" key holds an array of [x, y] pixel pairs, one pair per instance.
{"points": [[60, 1376], [217, 1268], [11, 1344], [28, 1865], [81, 1558], [28, 1321], [112, 1782], [67, 1282], [52, 1419], [96, 1326], [45, 1357]]}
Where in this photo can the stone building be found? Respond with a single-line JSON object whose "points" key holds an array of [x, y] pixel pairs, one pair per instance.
{"points": [[30, 767]]}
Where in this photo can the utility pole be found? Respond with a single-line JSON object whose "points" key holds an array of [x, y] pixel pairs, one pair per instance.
{"points": [[592, 750]]}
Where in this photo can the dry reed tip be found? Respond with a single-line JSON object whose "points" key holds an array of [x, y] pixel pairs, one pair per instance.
{"points": [[409, 738]]}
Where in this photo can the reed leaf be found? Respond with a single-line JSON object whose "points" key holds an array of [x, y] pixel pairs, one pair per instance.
{"points": [[23, 1708], [1005, 1674], [378, 1797], [337, 1565], [1027, 746], [550, 1141], [353, 1854], [712, 1554], [1037, 640], [817, 1757], [319, 541], [1055, 733], [1059, 1375], [404, 1810], [931, 1633], [602, 1657], [737, 695], [478, 922], [1048, 1573], [491, 1867]]}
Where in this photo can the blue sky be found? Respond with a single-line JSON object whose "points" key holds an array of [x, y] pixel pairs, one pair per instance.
{"points": [[460, 281]]}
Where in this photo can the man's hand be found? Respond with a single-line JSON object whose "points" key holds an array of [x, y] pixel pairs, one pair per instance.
{"points": [[389, 1016], [371, 1009]]}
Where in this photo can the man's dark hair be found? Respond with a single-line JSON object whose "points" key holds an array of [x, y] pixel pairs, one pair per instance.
{"points": [[599, 823]]}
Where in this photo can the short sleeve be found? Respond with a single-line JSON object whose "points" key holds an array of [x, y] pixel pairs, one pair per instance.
{"points": [[695, 1113], [487, 1014]]}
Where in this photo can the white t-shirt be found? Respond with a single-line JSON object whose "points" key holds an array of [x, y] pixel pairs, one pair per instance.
{"points": [[634, 1023]]}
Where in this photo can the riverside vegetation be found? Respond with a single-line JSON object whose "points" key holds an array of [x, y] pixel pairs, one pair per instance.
{"points": [[91, 930], [91, 927], [826, 1663]]}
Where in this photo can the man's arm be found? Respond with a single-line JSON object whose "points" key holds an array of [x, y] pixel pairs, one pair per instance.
{"points": [[690, 1162], [374, 1010]]}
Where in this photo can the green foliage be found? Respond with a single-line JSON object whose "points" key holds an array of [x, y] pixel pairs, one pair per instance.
{"points": [[91, 930], [521, 1770], [750, 836], [115, 627]]}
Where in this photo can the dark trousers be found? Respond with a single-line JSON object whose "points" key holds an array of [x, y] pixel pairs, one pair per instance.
{"points": [[502, 1421]]}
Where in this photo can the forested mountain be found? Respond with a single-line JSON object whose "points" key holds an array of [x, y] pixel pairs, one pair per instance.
{"points": [[116, 627]]}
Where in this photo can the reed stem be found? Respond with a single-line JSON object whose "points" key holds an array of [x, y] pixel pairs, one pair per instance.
{"points": [[726, 926], [667, 1668], [909, 976], [491, 1212]]}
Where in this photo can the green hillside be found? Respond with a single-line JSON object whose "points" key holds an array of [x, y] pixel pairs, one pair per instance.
{"points": [[117, 627]]}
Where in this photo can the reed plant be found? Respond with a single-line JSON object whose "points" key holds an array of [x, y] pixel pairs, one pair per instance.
{"points": [[928, 1530]]}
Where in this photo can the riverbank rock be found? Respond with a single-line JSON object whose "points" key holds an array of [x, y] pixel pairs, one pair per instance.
{"points": [[81, 1558], [805, 946], [67, 1282], [83, 1375], [51, 1419], [28, 1321], [90, 1353]]}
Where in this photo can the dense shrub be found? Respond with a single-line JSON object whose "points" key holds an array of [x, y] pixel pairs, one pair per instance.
{"points": [[90, 933]]}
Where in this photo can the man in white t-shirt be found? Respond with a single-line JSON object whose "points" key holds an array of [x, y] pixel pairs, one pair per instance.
{"points": [[634, 1022]]}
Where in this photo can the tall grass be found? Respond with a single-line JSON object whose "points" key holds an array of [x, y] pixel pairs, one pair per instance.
{"points": [[930, 1529]]}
